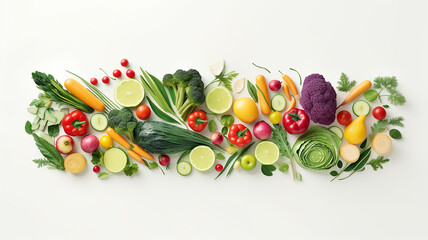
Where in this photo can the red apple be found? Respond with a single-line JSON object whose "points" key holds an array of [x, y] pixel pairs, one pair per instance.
{"points": [[64, 144]]}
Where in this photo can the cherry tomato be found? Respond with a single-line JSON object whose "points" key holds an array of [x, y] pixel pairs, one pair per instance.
{"points": [[143, 112], [94, 81], [124, 62], [344, 118], [105, 79], [218, 167], [275, 117], [379, 113], [117, 73], [106, 142], [130, 73], [96, 168]]}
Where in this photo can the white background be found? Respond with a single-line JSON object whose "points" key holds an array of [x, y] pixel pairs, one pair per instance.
{"points": [[361, 38]]}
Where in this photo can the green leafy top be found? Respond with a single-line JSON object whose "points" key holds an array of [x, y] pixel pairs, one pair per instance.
{"points": [[389, 84], [123, 122], [53, 158], [97, 157], [225, 78], [376, 163], [381, 125], [344, 84], [130, 169]]}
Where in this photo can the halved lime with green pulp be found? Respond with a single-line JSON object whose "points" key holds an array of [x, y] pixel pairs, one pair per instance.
{"points": [[202, 158], [266, 152], [219, 100], [129, 93]]}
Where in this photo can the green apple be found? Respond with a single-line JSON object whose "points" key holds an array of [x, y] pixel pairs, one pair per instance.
{"points": [[248, 162]]}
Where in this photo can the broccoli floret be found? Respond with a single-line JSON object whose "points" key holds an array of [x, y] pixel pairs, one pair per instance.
{"points": [[189, 90], [123, 122], [318, 99]]}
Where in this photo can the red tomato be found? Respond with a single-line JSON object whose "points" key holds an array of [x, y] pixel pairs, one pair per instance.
{"points": [[117, 73], [124, 62], [94, 81], [143, 112], [344, 118], [96, 168], [130, 73], [218, 167], [105, 79], [379, 113]]}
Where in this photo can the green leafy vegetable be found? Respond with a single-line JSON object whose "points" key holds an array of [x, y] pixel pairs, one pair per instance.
{"points": [[183, 155], [212, 126], [131, 169], [334, 173], [225, 78], [28, 127], [56, 92], [267, 170], [389, 84], [41, 162], [339, 164], [283, 167], [224, 131], [123, 122], [279, 136], [49, 151], [397, 121], [252, 91], [344, 84], [220, 156], [227, 120], [53, 130], [103, 175], [371, 95], [97, 157], [376, 163], [381, 125], [395, 133]]}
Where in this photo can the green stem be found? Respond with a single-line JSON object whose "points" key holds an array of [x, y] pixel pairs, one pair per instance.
{"points": [[341, 171], [264, 98], [262, 67], [300, 77], [112, 78]]}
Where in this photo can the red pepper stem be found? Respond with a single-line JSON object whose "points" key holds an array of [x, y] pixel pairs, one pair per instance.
{"points": [[294, 116], [199, 121], [241, 133], [77, 123]]}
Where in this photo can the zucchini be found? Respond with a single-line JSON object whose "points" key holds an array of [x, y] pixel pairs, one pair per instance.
{"points": [[184, 168], [278, 102], [99, 122], [361, 107], [337, 130]]}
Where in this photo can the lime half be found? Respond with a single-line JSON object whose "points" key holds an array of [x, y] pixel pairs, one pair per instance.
{"points": [[129, 93], [219, 100], [202, 158], [266, 152]]}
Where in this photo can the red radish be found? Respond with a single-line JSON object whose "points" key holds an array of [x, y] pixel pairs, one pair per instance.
{"points": [[164, 160], [379, 113], [94, 81], [218, 167], [89, 143], [105, 79], [96, 168], [124, 62], [117, 73], [262, 130], [274, 85], [217, 138], [130, 73]]}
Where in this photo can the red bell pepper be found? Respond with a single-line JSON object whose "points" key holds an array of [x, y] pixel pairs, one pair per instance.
{"points": [[239, 135], [75, 123], [295, 121], [197, 120]]}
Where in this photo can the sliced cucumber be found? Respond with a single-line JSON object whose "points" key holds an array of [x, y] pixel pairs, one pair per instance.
{"points": [[99, 122], [337, 130], [184, 168], [361, 107], [115, 159], [278, 102]]}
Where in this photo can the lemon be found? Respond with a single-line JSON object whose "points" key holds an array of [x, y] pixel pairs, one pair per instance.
{"points": [[219, 100], [266, 152], [129, 93], [202, 158]]}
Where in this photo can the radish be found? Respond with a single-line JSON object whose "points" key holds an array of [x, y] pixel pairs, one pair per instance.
{"points": [[89, 143], [262, 130], [274, 85], [217, 138]]}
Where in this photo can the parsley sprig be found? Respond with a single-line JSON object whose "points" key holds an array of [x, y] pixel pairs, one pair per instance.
{"points": [[344, 84], [376, 163], [386, 87], [225, 78]]}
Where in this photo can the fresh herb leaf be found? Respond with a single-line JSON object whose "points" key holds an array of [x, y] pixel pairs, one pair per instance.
{"points": [[252, 91], [41, 162], [279, 137], [339, 164], [389, 84], [283, 167], [130, 169], [162, 115], [103, 175], [227, 120], [212, 126], [395, 134], [363, 144], [299, 177], [386, 106], [268, 169], [344, 84], [152, 165], [371, 95], [97, 157], [225, 78], [267, 70], [224, 131], [49, 152], [53, 130], [385, 82], [28, 127], [378, 127], [334, 173], [183, 155], [397, 121], [220, 156], [376, 163], [396, 98]]}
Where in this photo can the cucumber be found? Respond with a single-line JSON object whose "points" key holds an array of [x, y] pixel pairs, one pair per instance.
{"points": [[278, 102], [99, 122], [115, 159], [184, 168], [361, 107], [337, 130]]}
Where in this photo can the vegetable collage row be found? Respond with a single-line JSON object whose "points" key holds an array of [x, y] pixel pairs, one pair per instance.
{"points": [[343, 149]]}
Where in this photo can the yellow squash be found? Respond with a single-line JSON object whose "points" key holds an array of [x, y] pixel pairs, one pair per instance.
{"points": [[356, 131], [245, 109]]}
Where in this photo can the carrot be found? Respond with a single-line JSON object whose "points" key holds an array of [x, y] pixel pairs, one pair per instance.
{"points": [[79, 91], [263, 94], [135, 156], [291, 105], [357, 91], [142, 153], [286, 91], [116, 137], [292, 86]]}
